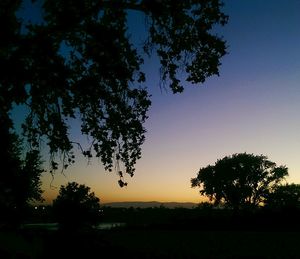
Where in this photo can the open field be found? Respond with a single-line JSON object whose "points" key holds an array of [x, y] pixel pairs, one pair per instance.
{"points": [[224, 244], [154, 243], [161, 233]]}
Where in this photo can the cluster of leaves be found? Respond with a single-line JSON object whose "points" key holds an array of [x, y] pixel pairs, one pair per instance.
{"points": [[181, 30], [76, 206], [240, 180], [78, 62], [20, 174], [284, 197]]}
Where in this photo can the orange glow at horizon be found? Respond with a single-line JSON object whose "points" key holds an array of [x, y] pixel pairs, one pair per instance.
{"points": [[253, 107]]}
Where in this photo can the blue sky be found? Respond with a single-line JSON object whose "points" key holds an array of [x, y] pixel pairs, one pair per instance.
{"points": [[253, 106]]}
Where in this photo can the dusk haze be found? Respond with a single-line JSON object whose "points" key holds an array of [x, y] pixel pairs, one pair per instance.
{"points": [[253, 107], [149, 129]]}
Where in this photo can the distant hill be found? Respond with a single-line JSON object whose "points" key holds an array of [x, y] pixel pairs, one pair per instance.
{"points": [[148, 204]]}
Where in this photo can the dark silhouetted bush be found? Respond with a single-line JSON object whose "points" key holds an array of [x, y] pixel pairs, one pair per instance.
{"points": [[76, 207]]}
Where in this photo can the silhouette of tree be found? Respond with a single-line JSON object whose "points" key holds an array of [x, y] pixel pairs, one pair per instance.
{"points": [[29, 184], [205, 205], [79, 62], [241, 180], [20, 176], [75, 206], [284, 197]]}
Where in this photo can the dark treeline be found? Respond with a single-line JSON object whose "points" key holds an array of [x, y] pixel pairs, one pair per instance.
{"points": [[206, 218], [201, 218]]}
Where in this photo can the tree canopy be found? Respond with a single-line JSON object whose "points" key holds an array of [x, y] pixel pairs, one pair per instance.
{"points": [[20, 176], [239, 180], [284, 197], [76, 206], [79, 62]]}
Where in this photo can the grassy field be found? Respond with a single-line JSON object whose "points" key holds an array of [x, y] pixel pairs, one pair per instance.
{"points": [[153, 243], [162, 233], [207, 244]]}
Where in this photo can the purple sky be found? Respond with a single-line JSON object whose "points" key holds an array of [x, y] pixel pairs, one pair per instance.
{"points": [[252, 107]]}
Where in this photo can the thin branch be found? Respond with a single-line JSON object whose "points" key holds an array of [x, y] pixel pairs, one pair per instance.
{"points": [[78, 145]]}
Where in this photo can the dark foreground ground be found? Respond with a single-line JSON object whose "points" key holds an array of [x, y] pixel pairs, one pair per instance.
{"points": [[163, 233], [151, 243]]}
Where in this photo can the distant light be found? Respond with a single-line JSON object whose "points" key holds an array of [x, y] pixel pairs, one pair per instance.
{"points": [[35, 207], [43, 207]]}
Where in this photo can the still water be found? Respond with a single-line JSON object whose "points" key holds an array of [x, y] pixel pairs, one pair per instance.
{"points": [[110, 225], [54, 226]]}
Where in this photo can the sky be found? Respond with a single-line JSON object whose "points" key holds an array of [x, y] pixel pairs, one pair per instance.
{"points": [[253, 107]]}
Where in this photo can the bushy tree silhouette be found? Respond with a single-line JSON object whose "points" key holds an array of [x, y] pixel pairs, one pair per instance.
{"points": [[241, 180], [20, 178], [76, 207], [79, 62], [284, 197]]}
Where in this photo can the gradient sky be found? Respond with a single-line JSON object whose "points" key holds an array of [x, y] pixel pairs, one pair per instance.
{"points": [[253, 106]]}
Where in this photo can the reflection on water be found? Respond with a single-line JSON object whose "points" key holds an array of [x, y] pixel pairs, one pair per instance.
{"points": [[110, 225], [54, 226], [48, 226]]}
